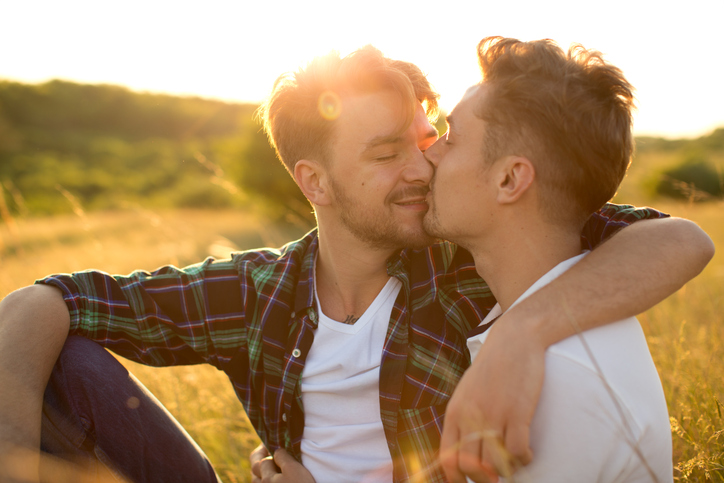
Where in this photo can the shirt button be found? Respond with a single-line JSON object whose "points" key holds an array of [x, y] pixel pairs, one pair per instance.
{"points": [[296, 353], [312, 315], [284, 417], [294, 314]]}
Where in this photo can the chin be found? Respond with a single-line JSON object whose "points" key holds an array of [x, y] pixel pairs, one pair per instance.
{"points": [[410, 237], [432, 228]]}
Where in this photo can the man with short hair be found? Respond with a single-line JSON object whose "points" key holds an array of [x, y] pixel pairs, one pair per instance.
{"points": [[343, 347], [530, 153]]}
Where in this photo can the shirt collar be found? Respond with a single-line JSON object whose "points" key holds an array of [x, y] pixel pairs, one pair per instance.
{"points": [[551, 275], [398, 265], [304, 297]]}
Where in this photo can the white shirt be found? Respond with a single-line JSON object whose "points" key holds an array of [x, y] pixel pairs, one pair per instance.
{"points": [[343, 439], [592, 414]]}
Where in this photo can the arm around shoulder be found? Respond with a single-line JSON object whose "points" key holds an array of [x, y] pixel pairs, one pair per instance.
{"points": [[676, 248], [628, 274], [34, 324]]}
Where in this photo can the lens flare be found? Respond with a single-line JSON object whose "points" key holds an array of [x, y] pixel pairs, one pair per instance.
{"points": [[329, 105]]}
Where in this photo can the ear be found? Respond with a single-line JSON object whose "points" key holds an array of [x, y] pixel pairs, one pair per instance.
{"points": [[311, 177], [514, 178]]}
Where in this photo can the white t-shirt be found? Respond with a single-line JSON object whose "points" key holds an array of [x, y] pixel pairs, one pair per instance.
{"points": [[343, 439], [588, 421]]}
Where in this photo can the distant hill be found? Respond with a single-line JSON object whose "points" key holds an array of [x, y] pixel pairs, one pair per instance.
{"points": [[713, 142], [107, 147], [64, 107]]}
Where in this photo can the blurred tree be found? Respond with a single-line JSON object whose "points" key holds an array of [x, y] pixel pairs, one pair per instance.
{"points": [[253, 165], [695, 178]]}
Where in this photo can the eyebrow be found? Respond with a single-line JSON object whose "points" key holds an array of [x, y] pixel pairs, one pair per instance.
{"points": [[393, 139], [382, 139]]}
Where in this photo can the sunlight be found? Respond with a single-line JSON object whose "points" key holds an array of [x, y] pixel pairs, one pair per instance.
{"points": [[235, 51]]}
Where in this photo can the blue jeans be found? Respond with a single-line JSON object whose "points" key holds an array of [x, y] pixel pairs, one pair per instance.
{"points": [[96, 412]]}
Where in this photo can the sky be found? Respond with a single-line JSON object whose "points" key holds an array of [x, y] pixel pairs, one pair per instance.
{"points": [[234, 50]]}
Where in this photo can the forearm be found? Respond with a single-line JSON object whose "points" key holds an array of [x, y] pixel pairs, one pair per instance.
{"points": [[34, 325], [630, 273]]}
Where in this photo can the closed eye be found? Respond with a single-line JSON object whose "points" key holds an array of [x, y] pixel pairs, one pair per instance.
{"points": [[388, 157]]}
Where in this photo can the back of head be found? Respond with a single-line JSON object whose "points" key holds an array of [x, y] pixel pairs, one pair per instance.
{"points": [[569, 113], [300, 113]]}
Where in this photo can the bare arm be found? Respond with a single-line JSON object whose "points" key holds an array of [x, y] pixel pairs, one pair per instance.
{"points": [[633, 271], [34, 324]]}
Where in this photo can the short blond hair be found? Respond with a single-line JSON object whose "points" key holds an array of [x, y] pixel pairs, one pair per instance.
{"points": [[300, 113]]}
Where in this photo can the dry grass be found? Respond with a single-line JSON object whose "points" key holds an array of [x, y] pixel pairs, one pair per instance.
{"points": [[686, 337], [685, 332], [200, 397]]}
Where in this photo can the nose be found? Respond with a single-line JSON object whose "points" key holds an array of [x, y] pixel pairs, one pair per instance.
{"points": [[419, 170], [432, 154]]}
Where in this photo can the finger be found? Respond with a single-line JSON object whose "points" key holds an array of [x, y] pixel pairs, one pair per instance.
{"points": [[470, 456], [495, 459], [268, 468], [449, 451], [259, 453], [517, 442], [283, 459], [471, 465], [256, 471]]}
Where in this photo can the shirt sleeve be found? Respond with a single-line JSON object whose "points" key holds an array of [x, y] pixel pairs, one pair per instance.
{"points": [[168, 317], [610, 219]]}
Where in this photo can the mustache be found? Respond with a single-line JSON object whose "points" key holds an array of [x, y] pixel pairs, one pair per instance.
{"points": [[408, 192]]}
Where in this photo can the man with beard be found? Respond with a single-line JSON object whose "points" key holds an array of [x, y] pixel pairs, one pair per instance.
{"points": [[530, 153], [343, 347]]}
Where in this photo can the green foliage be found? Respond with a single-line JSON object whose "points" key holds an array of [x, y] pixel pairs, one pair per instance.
{"points": [[695, 178], [263, 175], [106, 147], [690, 169], [59, 107]]}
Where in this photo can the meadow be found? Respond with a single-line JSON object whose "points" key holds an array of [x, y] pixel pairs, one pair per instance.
{"points": [[685, 332]]}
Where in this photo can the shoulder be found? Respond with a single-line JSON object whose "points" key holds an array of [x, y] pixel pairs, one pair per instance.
{"points": [[292, 254], [614, 357], [600, 397], [605, 378]]}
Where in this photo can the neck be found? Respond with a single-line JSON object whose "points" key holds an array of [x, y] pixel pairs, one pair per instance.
{"points": [[350, 274], [518, 253]]}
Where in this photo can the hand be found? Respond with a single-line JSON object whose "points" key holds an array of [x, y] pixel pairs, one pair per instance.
{"points": [[487, 422], [259, 453], [280, 469]]}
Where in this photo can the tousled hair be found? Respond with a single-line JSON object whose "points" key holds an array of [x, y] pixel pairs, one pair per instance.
{"points": [[300, 113], [569, 113]]}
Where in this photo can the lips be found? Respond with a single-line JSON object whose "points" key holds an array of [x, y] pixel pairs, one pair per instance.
{"points": [[412, 202], [413, 195]]}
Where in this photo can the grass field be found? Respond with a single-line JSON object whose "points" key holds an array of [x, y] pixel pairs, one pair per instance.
{"points": [[685, 332]]}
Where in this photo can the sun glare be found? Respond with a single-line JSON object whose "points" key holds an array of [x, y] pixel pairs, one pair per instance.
{"points": [[235, 50]]}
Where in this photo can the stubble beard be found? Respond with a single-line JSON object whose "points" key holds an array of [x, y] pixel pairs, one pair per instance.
{"points": [[430, 225], [434, 228], [380, 232]]}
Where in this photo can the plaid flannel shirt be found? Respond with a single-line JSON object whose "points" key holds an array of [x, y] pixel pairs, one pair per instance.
{"points": [[254, 317]]}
